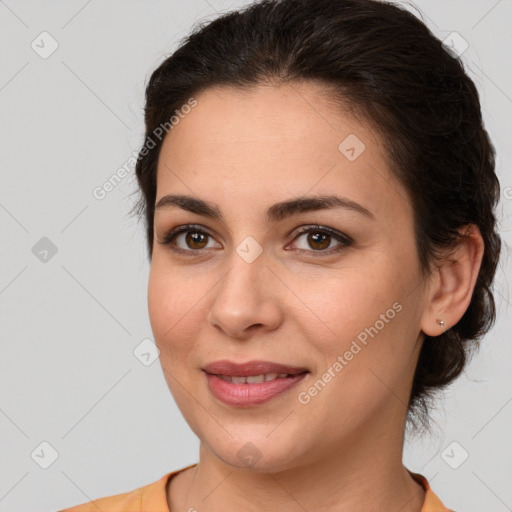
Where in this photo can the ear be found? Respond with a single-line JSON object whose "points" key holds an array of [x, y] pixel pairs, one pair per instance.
{"points": [[453, 282]]}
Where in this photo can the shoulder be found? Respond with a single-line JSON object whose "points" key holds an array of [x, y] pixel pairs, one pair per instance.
{"points": [[125, 502], [152, 495], [432, 502]]}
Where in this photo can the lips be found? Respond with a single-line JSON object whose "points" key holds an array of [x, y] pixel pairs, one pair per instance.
{"points": [[252, 368], [251, 384]]}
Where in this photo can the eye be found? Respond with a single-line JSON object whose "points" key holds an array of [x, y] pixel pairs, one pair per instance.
{"points": [[320, 238], [192, 238]]}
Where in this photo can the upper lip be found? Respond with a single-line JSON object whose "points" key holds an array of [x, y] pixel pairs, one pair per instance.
{"points": [[226, 367]]}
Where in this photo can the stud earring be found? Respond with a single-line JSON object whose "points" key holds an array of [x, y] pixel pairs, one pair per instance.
{"points": [[440, 322]]}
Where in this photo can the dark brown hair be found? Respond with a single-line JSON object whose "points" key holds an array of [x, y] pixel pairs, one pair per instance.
{"points": [[385, 63]]}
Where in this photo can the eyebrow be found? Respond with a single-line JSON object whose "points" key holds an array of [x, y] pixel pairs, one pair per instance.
{"points": [[274, 213]]}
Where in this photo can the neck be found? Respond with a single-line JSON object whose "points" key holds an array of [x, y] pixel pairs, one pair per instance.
{"points": [[365, 474]]}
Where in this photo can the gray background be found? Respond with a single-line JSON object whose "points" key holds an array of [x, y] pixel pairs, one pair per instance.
{"points": [[69, 324]]}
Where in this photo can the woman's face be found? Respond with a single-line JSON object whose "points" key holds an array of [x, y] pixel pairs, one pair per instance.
{"points": [[245, 286]]}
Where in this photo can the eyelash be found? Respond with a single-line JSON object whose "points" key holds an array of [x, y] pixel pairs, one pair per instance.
{"points": [[345, 240]]}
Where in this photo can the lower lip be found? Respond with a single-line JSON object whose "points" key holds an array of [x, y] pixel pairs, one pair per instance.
{"points": [[243, 395]]}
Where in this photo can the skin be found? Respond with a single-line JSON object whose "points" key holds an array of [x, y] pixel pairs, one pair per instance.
{"points": [[244, 151]]}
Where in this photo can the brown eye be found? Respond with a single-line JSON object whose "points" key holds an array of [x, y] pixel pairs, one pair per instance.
{"points": [[319, 240], [187, 239], [195, 239]]}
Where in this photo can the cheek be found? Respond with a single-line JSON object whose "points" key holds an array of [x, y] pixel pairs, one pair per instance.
{"points": [[360, 316], [370, 351], [339, 307], [173, 319], [160, 302], [172, 303]]}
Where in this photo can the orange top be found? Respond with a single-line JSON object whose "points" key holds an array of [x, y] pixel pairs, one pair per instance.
{"points": [[152, 498]]}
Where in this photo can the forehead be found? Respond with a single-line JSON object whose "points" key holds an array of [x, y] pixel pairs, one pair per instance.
{"points": [[273, 140], [229, 117]]}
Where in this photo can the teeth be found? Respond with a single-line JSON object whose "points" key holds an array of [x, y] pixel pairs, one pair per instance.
{"points": [[253, 379]]}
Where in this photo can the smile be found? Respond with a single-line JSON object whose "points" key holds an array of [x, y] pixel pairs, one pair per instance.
{"points": [[254, 379], [252, 390]]}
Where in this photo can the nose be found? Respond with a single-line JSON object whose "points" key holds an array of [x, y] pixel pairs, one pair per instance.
{"points": [[246, 299]]}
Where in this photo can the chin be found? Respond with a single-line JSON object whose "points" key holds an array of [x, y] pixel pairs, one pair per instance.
{"points": [[255, 454]]}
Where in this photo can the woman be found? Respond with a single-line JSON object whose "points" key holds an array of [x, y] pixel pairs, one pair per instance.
{"points": [[319, 194]]}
